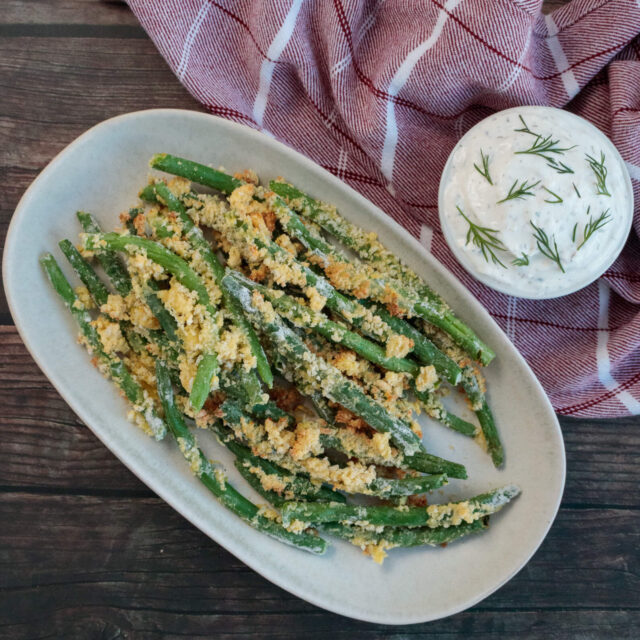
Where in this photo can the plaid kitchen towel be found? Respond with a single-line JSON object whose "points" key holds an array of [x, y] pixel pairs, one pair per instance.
{"points": [[378, 93]]}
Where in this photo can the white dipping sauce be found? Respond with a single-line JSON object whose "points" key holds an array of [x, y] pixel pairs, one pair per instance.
{"points": [[584, 208]]}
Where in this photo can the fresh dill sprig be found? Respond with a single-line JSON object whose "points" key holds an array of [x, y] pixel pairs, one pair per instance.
{"points": [[523, 261], [519, 192], [576, 189], [557, 198], [594, 225], [573, 234], [545, 246], [485, 239], [485, 167], [560, 167], [600, 172], [525, 128], [543, 147]]}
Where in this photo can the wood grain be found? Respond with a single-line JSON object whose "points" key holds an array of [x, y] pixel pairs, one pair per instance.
{"points": [[87, 551], [549, 6], [87, 83], [73, 554], [86, 78], [44, 445], [65, 12]]}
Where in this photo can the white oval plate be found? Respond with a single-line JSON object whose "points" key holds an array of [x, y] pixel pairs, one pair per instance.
{"points": [[102, 172]]}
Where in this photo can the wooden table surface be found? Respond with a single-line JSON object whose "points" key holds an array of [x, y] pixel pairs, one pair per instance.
{"points": [[87, 551]]}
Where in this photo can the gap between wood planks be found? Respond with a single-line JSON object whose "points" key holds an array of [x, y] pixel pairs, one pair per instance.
{"points": [[26, 30]]}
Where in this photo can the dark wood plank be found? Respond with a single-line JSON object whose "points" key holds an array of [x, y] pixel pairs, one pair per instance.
{"points": [[549, 6], [603, 461], [93, 12], [105, 622], [87, 83], [78, 563], [45, 445]]}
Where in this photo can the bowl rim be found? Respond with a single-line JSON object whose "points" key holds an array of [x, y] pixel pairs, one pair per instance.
{"points": [[512, 288]]}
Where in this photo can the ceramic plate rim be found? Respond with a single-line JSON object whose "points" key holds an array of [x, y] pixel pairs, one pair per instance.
{"points": [[164, 491]]}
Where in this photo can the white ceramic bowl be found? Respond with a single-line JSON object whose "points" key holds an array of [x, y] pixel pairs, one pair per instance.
{"points": [[593, 270], [102, 172]]}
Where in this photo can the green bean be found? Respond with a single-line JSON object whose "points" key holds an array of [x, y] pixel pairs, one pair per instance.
{"points": [[292, 483], [220, 488], [233, 414], [111, 364], [421, 461], [352, 312], [435, 310], [349, 309], [171, 262], [291, 460], [242, 385], [90, 279], [428, 463], [254, 482], [333, 384], [194, 235], [406, 299], [117, 370], [100, 295], [161, 313], [322, 407], [331, 438], [108, 259], [485, 417], [270, 410], [423, 348], [458, 424], [426, 351], [436, 410], [122, 282], [490, 433], [195, 172], [304, 317], [433, 516], [208, 364], [391, 537], [409, 486]]}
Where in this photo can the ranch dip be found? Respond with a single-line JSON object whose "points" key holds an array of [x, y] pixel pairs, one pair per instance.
{"points": [[535, 202]]}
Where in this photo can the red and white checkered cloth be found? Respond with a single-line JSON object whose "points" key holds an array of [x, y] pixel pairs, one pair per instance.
{"points": [[378, 93]]}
